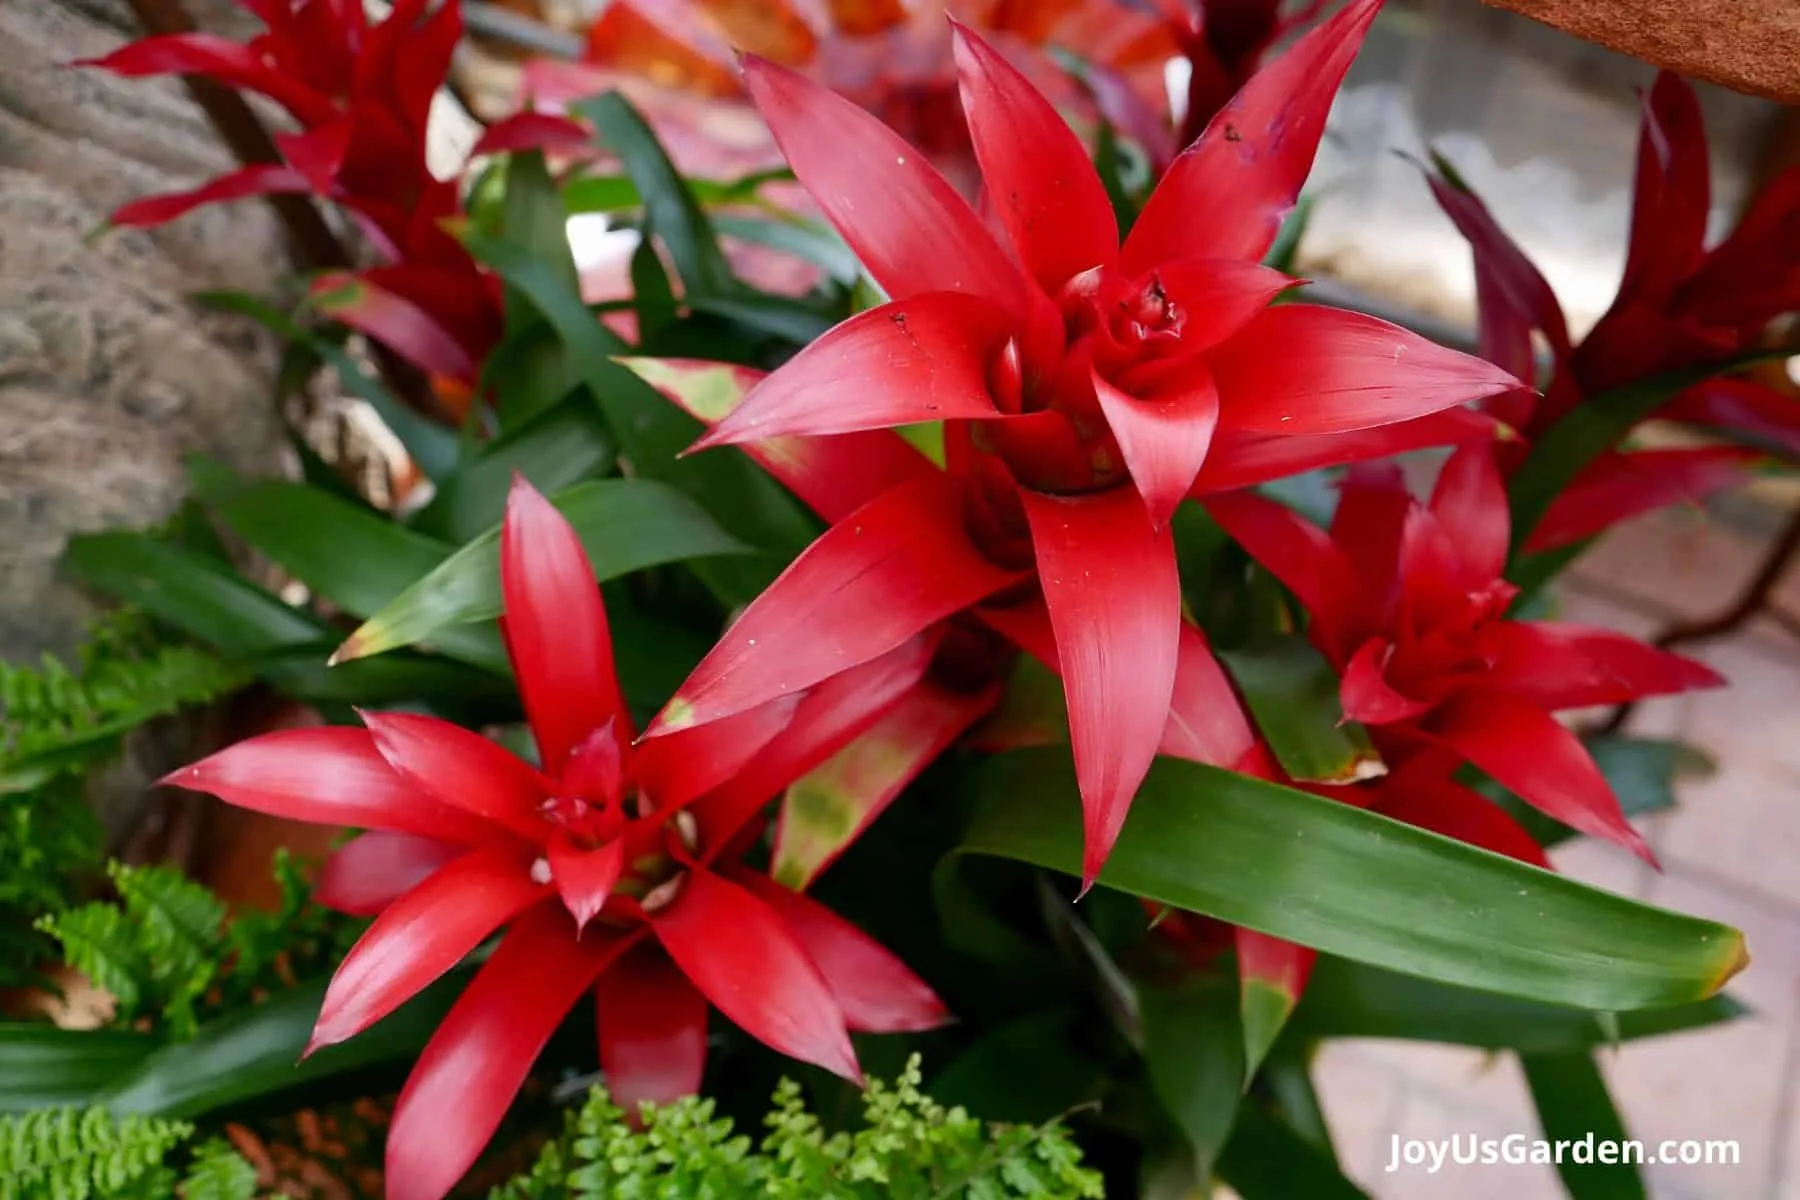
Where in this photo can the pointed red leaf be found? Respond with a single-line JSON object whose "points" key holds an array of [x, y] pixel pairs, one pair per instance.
{"points": [[834, 475], [1555, 666], [1470, 503], [1422, 793], [1298, 553], [1515, 284], [1164, 434], [878, 992], [259, 180], [1272, 974], [741, 956], [423, 934], [1245, 172], [462, 769], [872, 581], [317, 153], [394, 321], [1372, 508], [532, 131], [1367, 696], [1039, 179], [828, 808], [1754, 275], [1217, 297], [1531, 754], [477, 1060], [1242, 459], [557, 636], [1206, 720], [371, 872], [1115, 603], [228, 62], [909, 227], [1742, 405], [585, 878], [826, 720], [1671, 199], [652, 1030], [332, 775], [1620, 486], [1301, 368], [925, 358], [678, 768]]}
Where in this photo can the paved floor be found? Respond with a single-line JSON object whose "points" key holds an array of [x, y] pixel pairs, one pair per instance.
{"points": [[1730, 852]]}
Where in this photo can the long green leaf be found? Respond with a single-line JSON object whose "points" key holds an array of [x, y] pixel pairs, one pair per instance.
{"points": [[652, 434], [1268, 1160], [193, 592], [670, 207], [816, 243], [626, 525], [1349, 882], [1574, 1106], [1194, 1053], [1594, 426], [354, 557], [1292, 692], [42, 1066], [559, 448], [1347, 999], [256, 1052]]}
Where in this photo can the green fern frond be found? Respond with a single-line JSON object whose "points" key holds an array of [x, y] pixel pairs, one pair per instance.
{"points": [[156, 950], [54, 719], [101, 942], [911, 1148], [218, 1172], [67, 1154]]}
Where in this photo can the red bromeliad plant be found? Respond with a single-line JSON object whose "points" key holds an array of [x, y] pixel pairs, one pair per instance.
{"points": [[361, 95], [612, 868], [1408, 603], [1679, 306], [982, 652], [1086, 388]]}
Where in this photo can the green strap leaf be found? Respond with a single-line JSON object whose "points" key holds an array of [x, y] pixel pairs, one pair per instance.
{"points": [[1347, 999], [1574, 1106], [1194, 1053], [42, 1066], [354, 557], [1268, 1160], [1349, 882], [813, 241], [670, 208], [626, 525], [653, 433], [1292, 693], [563, 445], [257, 1052], [192, 592]]}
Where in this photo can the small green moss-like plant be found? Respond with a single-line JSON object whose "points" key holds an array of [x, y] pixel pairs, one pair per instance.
{"points": [[71, 1154], [910, 1148]]}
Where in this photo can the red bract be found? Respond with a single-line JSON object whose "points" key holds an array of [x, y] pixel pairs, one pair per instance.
{"points": [[1085, 387], [1408, 603], [612, 868], [1678, 306], [361, 95]]}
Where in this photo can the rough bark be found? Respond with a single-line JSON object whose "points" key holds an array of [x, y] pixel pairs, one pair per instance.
{"points": [[1747, 45]]}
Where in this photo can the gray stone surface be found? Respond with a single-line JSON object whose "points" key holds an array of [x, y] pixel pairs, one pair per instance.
{"points": [[108, 375]]}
